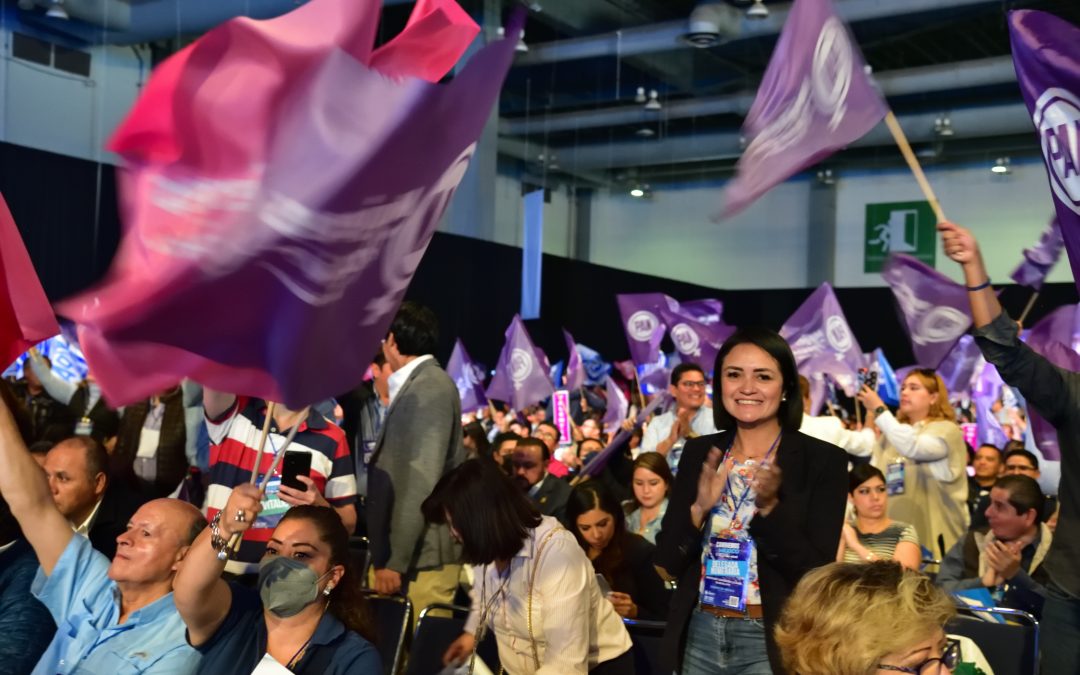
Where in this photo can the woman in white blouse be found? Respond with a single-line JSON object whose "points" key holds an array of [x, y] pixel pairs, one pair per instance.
{"points": [[534, 586], [924, 459]]}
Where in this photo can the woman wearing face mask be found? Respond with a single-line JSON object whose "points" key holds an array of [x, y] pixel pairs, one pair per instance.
{"points": [[651, 482], [752, 510], [307, 615], [622, 558], [924, 459], [873, 535]]}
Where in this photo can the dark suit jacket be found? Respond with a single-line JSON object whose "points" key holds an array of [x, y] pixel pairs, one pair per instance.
{"points": [[637, 578], [118, 504], [802, 532], [420, 441], [551, 498]]}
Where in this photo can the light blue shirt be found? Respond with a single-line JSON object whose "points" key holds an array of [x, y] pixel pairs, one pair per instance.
{"points": [[86, 606], [633, 523]]}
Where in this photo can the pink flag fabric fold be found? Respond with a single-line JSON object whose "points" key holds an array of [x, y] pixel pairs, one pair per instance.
{"points": [[26, 317]]}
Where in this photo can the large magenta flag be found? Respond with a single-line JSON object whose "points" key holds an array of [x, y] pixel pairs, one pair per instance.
{"points": [[815, 99], [282, 181], [25, 315]]}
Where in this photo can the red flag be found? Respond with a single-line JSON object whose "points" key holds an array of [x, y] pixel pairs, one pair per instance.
{"points": [[25, 315], [282, 183]]}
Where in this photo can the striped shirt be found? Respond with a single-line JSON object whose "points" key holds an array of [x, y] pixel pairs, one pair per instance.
{"points": [[883, 544], [234, 439]]}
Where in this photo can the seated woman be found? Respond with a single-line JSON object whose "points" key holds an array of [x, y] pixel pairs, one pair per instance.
{"points": [[872, 535], [308, 614], [651, 481], [533, 586], [862, 619], [624, 559]]}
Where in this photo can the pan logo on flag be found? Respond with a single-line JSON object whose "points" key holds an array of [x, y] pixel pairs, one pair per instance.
{"points": [[686, 340], [940, 324], [837, 333], [832, 71], [1057, 117], [521, 366], [642, 325]]}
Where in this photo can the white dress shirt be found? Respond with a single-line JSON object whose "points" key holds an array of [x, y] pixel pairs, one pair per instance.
{"points": [[574, 628], [398, 377], [831, 430]]}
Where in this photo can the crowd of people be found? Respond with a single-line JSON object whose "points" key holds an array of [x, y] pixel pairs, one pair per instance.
{"points": [[767, 540]]}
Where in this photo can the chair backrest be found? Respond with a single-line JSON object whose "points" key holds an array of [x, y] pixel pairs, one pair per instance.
{"points": [[360, 552], [393, 614], [1010, 649], [437, 627], [647, 637]]}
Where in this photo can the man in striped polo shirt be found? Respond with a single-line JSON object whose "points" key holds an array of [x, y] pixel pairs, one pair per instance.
{"points": [[234, 424]]}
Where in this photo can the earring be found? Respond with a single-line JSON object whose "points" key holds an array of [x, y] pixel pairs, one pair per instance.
{"points": [[326, 591], [783, 398]]}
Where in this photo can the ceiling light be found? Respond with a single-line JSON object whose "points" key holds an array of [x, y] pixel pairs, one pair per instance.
{"points": [[706, 21], [943, 126], [645, 132], [1001, 166], [640, 191], [640, 96], [825, 177], [654, 100], [56, 10], [521, 46], [758, 10]]}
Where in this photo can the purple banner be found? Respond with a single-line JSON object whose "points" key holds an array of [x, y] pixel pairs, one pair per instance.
{"points": [[697, 330], [271, 228], [815, 99], [987, 390], [468, 377], [617, 407], [560, 411], [597, 464], [642, 320], [821, 340], [1055, 337], [575, 367], [961, 366], [521, 379], [1046, 54], [934, 308], [1040, 258]]}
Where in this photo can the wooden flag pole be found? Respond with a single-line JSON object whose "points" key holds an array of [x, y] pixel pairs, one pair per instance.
{"points": [[913, 164], [1027, 308]]}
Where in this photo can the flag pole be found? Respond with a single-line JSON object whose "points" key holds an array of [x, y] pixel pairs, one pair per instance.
{"points": [[1028, 307], [913, 164]]}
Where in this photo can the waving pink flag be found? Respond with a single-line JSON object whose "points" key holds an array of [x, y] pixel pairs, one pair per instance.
{"points": [[25, 315], [282, 183]]}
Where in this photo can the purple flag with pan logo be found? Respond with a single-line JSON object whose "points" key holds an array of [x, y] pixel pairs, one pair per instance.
{"points": [[933, 307], [818, 332], [617, 407], [521, 379], [697, 334], [575, 367], [1055, 337], [468, 377], [815, 99], [642, 320], [1040, 258], [1046, 54]]}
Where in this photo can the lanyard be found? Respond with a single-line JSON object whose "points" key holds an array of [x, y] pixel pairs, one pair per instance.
{"points": [[746, 490]]}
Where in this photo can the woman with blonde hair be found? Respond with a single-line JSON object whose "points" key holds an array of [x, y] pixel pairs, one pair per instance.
{"points": [[866, 619], [924, 459]]}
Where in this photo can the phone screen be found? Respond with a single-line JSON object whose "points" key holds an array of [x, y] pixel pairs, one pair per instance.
{"points": [[295, 463]]}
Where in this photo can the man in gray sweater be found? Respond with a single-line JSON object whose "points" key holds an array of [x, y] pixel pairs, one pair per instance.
{"points": [[420, 441]]}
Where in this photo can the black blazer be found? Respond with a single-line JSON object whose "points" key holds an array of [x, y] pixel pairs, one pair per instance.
{"points": [[802, 532], [552, 496], [637, 577]]}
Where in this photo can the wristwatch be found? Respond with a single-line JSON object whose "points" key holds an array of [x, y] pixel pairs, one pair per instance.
{"points": [[880, 410]]}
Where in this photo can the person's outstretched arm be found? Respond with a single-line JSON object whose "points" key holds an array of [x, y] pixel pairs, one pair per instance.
{"points": [[960, 246]]}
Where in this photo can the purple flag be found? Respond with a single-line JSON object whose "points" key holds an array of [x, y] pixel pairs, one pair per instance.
{"points": [[520, 377], [1059, 325], [282, 180], [617, 407], [815, 99], [1055, 337], [961, 366], [1046, 54], [987, 390], [697, 330], [468, 377], [820, 337], [1040, 258], [597, 463], [642, 320], [934, 308], [575, 367]]}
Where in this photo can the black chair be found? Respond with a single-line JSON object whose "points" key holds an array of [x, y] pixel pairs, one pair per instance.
{"points": [[360, 552], [1009, 648], [437, 627], [647, 637], [393, 614]]}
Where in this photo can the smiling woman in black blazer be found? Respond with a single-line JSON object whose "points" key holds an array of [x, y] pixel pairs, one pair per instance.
{"points": [[753, 509]]}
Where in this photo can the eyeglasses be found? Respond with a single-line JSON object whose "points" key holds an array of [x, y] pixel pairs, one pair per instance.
{"points": [[693, 384], [949, 658], [1018, 468]]}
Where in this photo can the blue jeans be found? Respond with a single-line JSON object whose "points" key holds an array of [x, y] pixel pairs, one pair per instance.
{"points": [[1059, 633], [718, 646]]}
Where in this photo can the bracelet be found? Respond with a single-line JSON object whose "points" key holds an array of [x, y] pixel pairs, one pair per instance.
{"points": [[985, 284], [217, 542]]}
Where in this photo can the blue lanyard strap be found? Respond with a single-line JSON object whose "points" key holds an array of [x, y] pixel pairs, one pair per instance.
{"points": [[736, 506]]}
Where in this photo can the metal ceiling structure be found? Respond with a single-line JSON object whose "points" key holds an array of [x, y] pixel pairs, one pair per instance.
{"points": [[573, 107]]}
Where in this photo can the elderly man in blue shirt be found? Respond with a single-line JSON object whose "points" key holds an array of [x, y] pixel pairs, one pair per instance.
{"points": [[111, 618]]}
